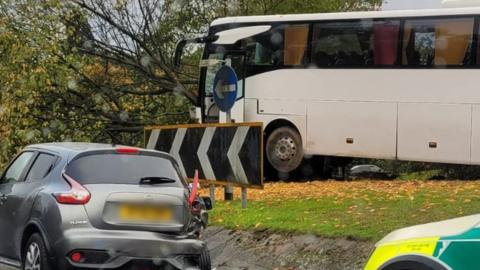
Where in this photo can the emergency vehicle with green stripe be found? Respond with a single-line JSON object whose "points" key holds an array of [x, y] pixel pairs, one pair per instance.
{"points": [[447, 245]]}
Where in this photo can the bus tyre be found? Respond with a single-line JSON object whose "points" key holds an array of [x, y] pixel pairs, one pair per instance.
{"points": [[284, 149]]}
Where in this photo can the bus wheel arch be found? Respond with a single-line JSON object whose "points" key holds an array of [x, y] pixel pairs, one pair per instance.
{"points": [[283, 145]]}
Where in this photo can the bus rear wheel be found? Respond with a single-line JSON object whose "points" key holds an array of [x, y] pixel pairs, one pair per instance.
{"points": [[284, 149]]}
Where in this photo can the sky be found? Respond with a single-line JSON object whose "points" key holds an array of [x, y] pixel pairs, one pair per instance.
{"points": [[411, 4]]}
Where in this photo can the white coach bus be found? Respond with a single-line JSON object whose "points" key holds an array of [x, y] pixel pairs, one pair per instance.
{"points": [[386, 84]]}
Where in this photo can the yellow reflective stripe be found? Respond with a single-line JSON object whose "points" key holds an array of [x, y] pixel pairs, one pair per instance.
{"points": [[386, 252], [380, 256]]}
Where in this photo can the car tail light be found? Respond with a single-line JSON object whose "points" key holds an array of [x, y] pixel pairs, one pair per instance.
{"points": [[76, 195], [76, 257], [86, 256], [127, 150]]}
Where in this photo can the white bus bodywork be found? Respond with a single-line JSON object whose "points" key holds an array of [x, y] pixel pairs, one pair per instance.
{"points": [[430, 115]]}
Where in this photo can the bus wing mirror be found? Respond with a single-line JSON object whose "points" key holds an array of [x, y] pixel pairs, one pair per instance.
{"points": [[178, 52], [181, 46]]}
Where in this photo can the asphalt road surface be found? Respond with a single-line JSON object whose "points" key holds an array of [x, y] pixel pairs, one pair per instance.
{"points": [[263, 250]]}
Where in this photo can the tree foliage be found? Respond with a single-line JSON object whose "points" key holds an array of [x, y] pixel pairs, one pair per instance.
{"points": [[264, 7], [95, 70], [53, 89]]}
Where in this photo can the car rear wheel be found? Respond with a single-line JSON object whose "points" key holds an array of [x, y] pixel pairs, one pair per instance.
{"points": [[284, 149], [204, 261], [35, 255]]}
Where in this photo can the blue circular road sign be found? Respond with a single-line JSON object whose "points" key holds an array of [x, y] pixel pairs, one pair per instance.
{"points": [[225, 88]]}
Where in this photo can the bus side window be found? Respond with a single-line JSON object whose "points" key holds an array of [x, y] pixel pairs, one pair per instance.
{"points": [[477, 60], [385, 47], [262, 49], [282, 46], [438, 42], [419, 43], [347, 44], [296, 41]]}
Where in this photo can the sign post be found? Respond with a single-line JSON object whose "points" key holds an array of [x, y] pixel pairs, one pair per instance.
{"points": [[212, 193], [244, 197], [228, 190]]}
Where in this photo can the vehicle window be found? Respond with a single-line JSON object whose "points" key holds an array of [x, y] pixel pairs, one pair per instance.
{"points": [[477, 60], [385, 42], [285, 45], [212, 69], [41, 167], [14, 172], [296, 40], [216, 61], [445, 42], [121, 169], [237, 62], [343, 44]]}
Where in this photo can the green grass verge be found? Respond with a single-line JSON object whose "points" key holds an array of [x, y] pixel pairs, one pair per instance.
{"points": [[369, 216]]}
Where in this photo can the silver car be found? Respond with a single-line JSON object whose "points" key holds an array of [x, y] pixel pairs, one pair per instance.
{"points": [[97, 206]]}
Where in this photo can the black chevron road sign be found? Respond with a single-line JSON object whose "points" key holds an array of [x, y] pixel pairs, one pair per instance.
{"points": [[223, 153]]}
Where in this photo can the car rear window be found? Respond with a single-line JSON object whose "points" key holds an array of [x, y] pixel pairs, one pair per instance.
{"points": [[121, 169]]}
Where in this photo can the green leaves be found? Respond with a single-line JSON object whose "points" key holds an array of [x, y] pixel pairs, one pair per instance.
{"points": [[50, 90], [94, 70], [263, 7]]}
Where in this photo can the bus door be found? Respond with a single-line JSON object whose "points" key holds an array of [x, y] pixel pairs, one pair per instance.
{"points": [[215, 61]]}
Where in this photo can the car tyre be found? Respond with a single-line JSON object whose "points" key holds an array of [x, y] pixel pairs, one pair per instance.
{"points": [[35, 256], [284, 149], [204, 261]]}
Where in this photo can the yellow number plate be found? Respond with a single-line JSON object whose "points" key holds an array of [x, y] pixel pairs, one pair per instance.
{"points": [[143, 213]]}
